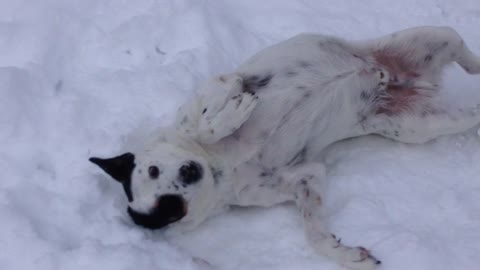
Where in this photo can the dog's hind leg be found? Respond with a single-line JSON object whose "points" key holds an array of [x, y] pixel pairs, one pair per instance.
{"points": [[416, 128], [421, 51], [415, 59]]}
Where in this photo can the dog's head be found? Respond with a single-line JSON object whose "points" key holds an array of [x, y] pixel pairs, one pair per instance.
{"points": [[165, 183]]}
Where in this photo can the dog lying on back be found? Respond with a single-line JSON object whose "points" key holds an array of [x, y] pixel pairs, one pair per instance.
{"points": [[250, 138]]}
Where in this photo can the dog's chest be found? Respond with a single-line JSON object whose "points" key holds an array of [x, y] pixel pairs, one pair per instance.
{"points": [[301, 110]]}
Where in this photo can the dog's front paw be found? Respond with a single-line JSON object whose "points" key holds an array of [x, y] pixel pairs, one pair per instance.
{"points": [[359, 258], [224, 122], [218, 91], [237, 110], [355, 258]]}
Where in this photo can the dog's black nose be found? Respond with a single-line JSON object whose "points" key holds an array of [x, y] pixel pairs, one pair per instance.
{"points": [[168, 209]]}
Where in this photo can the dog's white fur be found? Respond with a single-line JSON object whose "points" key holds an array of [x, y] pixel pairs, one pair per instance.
{"points": [[257, 131]]}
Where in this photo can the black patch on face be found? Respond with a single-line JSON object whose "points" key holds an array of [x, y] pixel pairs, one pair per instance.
{"points": [[119, 168], [127, 187], [153, 172], [253, 83], [190, 173], [168, 209]]}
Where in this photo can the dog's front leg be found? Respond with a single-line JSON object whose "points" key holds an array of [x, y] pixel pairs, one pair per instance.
{"points": [[302, 184], [220, 109], [304, 181]]}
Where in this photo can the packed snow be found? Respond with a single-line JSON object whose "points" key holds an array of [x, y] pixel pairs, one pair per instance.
{"points": [[77, 78]]}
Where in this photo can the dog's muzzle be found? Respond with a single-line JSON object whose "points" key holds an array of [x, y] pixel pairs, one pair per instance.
{"points": [[168, 209]]}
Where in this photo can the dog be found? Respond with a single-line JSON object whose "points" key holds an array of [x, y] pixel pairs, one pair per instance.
{"points": [[252, 137]]}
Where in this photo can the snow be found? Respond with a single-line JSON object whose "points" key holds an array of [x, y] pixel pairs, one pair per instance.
{"points": [[77, 77]]}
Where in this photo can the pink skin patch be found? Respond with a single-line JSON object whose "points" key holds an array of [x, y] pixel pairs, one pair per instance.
{"points": [[401, 95], [399, 100]]}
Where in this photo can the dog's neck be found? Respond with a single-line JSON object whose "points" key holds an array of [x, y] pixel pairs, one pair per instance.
{"points": [[222, 172]]}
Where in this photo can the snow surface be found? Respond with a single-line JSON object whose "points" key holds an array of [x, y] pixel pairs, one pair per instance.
{"points": [[77, 77]]}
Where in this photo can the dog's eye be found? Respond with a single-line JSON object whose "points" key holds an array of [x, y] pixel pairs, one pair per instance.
{"points": [[191, 172], [154, 172]]}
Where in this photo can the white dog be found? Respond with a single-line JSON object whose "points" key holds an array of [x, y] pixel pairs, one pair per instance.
{"points": [[251, 138]]}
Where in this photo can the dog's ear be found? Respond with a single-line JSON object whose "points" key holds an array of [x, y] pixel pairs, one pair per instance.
{"points": [[119, 168]]}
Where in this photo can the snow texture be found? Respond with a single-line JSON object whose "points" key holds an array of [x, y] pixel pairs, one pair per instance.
{"points": [[78, 77]]}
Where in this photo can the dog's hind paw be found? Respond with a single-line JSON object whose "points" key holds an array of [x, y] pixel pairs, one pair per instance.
{"points": [[377, 78], [382, 77]]}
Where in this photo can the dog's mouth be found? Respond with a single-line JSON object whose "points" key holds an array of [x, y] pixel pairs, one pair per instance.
{"points": [[168, 209]]}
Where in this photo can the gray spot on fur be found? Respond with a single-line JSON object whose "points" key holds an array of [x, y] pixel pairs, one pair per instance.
{"points": [[157, 50], [264, 134], [255, 82], [217, 174], [184, 120], [298, 158], [58, 86], [304, 64], [365, 96], [291, 73], [267, 172], [428, 58], [361, 117], [307, 94]]}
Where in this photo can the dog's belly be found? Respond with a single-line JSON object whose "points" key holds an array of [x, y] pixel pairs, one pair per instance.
{"points": [[301, 110]]}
